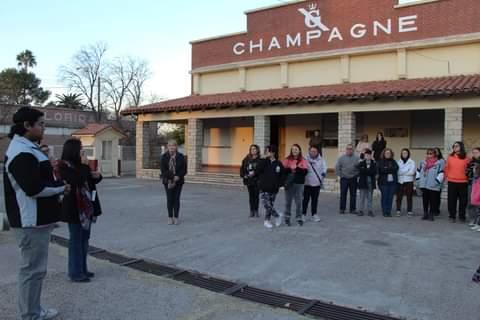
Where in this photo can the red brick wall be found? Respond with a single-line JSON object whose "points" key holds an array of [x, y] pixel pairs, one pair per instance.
{"points": [[436, 19]]}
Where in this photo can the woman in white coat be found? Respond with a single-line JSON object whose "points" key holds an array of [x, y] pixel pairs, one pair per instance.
{"points": [[406, 178]]}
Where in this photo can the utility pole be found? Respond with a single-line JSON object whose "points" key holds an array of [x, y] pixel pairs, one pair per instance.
{"points": [[99, 115]]}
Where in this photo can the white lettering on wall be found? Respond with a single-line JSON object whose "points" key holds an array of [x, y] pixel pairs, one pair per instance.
{"points": [[239, 48], [407, 24], [358, 31], [313, 34], [258, 45], [274, 44], [294, 42], [378, 26], [335, 34]]}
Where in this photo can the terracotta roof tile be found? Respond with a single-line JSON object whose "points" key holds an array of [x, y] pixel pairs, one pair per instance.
{"points": [[94, 129], [424, 87]]}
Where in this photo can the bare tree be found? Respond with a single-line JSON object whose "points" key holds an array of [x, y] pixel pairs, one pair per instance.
{"points": [[121, 73], [142, 74], [85, 73]]}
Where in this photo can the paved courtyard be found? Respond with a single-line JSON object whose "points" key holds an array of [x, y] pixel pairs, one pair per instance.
{"points": [[403, 266]]}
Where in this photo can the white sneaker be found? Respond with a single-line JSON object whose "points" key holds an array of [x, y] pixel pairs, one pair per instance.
{"points": [[399, 214], [268, 224], [278, 220], [47, 314], [316, 218], [410, 214], [478, 230], [476, 227], [472, 224]]}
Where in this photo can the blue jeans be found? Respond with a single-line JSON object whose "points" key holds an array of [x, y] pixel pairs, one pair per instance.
{"points": [[77, 251], [388, 191]]}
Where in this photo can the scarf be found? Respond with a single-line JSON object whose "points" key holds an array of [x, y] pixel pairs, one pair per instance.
{"points": [[172, 165], [430, 163]]}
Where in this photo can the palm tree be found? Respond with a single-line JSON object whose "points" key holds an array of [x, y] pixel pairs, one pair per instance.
{"points": [[26, 59], [70, 101]]}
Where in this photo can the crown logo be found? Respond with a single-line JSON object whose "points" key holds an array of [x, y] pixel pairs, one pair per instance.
{"points": [[312, 6]]}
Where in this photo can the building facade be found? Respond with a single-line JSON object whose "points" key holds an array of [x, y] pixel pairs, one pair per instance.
{"points": [[343, 68]]}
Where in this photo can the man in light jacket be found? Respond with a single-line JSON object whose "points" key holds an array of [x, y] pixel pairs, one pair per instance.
{"points": [[317, 170], [33, 207], [406, 178], [347, 170]]}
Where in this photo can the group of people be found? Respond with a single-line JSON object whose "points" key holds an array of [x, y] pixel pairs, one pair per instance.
{"points": [[39, 193], [302, 177], [362, 170]]}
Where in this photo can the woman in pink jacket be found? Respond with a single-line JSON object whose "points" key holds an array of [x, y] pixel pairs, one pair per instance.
{"points": [[296, 168]]}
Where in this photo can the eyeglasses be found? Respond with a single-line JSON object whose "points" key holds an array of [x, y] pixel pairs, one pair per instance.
{"points": [[430, 153]]}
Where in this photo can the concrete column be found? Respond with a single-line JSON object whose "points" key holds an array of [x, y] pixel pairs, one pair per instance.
{"points": [[402, 63], [345, 67], [242, 79], [346, 130], [284, 74], [142, 147], [261, 135], [196, 83], [194, 145], [453, 127]]}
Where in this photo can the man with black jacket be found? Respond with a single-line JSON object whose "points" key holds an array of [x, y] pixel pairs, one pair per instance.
{"points": [[32, 201], [173, 169]]}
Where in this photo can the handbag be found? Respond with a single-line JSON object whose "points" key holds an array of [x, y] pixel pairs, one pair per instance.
{"points": [[475, 196], [316, 173]]}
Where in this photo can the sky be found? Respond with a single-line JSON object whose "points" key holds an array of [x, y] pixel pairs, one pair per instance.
{"points": [[156, 30]]}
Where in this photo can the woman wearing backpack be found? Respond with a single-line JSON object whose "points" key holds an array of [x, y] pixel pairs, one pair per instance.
{"points": [[249, 174], [80, 208], [296, 169]]}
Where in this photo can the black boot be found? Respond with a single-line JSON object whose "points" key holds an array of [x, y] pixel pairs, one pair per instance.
{"points": [[425, 216]]}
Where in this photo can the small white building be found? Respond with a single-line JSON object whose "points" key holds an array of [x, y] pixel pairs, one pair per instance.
{"points": [[101, 141]]}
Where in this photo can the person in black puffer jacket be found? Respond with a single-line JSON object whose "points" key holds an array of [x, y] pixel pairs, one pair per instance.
{"points": [[249, 174], [387, 180], [271, 176]]}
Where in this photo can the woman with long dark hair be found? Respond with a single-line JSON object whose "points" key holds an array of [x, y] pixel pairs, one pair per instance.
{"points": [[249, 174], [80, 208], [271, 173], [296, 168], [406, 178], [378, 146], [455, 172], [387, 180]]}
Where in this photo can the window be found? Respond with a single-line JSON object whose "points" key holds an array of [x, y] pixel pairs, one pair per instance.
{"points": [[106, 150], [427, 129]]}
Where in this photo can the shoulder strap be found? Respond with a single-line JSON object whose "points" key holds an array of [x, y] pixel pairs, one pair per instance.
{"points": [[316, 173]]}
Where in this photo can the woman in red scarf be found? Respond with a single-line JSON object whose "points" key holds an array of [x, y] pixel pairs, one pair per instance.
{"points": [[430, 180]]}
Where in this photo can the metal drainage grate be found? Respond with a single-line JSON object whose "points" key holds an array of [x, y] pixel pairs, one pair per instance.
{"points": [[272, 298], [314, 308]]}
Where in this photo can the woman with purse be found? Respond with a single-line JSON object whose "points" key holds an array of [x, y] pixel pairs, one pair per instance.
{"points": [[296, 168], [80, 208], [317, 171], [249, 174]]}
